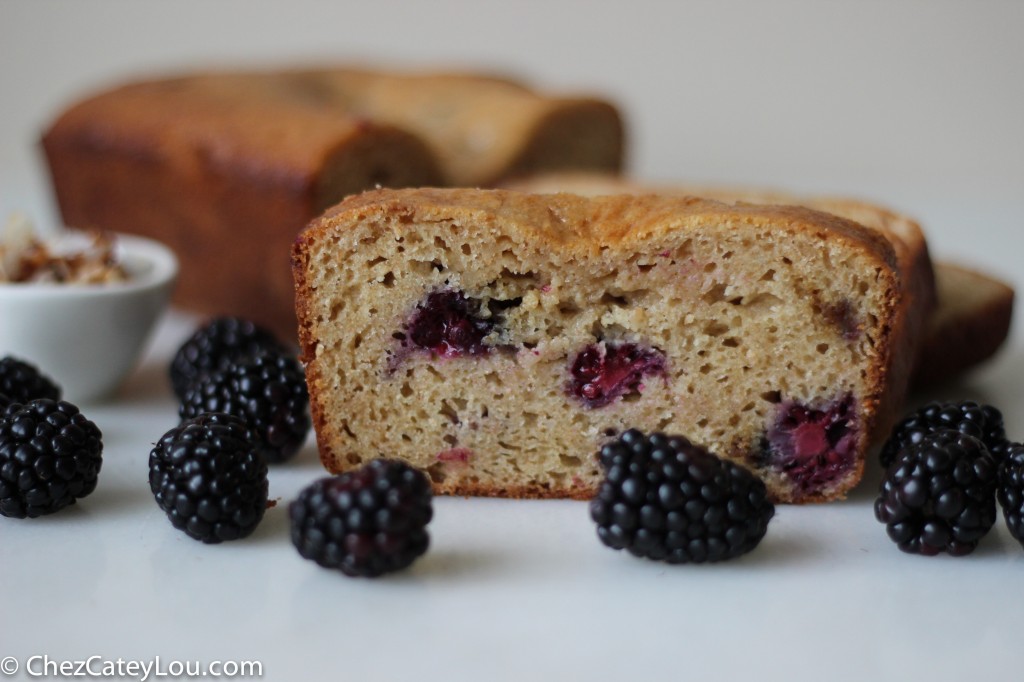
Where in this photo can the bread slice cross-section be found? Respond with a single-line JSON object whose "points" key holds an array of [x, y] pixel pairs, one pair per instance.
{"points": [[497, 339]]}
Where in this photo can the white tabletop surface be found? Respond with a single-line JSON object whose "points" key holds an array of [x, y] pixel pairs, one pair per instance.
{"points": [[917, 105]]}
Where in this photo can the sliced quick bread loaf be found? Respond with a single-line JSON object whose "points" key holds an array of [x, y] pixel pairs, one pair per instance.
{"points": [[497, 339]]}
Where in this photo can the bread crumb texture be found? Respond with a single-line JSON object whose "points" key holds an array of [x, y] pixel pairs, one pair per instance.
{"points": [[497, 339]]}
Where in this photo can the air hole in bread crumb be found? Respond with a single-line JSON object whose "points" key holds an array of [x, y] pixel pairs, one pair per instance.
{"points": [[467, 249], [449, 412], [768, 276], [437, 472], [731, 342], [702, 422], [822, 348], [612, 299], [440, 243], [772, 396], [528, 276], [388, 280], [715, 294], [715, 328], [568, 309], [450, 439], [406, 390], [336, 309], [569, 460], [762, 300]]}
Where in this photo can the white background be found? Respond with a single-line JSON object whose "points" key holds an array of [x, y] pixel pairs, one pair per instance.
{"points": [[917, 105]]}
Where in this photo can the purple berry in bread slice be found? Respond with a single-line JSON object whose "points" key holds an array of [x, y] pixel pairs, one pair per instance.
{"points": [[604, 372]]}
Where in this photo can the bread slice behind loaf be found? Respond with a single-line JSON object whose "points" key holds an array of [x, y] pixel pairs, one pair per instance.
{"points": [[970, 324]]}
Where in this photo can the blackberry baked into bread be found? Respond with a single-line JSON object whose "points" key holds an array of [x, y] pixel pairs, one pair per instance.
{"points": [[497, 339], [227, 168]]}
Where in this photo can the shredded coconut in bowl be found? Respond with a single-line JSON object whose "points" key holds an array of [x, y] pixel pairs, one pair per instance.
{"points": [[25, 258]]}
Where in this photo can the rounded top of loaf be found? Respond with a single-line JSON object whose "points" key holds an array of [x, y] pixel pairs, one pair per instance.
{"points": [[611, 221]]}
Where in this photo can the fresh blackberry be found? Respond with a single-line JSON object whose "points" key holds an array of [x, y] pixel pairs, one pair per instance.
{"points": [[50, 456], [22, 382], [209, 475], [215, 345], [939, 494], [1010, 491], [984, 422], [267, 390], [667, 499], [365, 522]]}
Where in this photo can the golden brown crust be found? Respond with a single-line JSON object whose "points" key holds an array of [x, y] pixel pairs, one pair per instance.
{"points": [[521, 492], [575, 225], [572, 221], [220, 162]]}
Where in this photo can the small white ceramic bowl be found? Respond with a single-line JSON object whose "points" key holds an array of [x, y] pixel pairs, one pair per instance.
{"points": [[88, 338]]}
